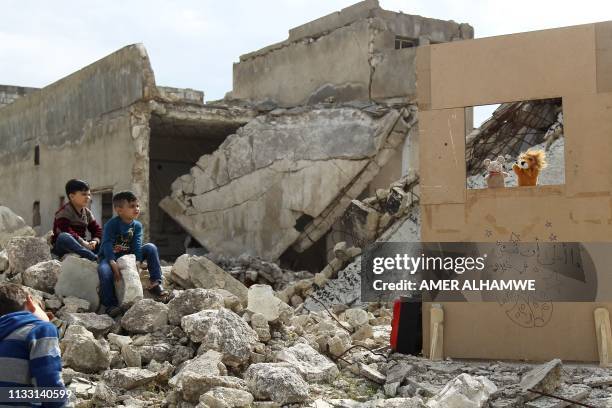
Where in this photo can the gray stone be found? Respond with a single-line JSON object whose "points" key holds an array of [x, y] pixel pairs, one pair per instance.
{"points": [[276, 382], [129, 288], [190, 301], [259, 323], [82, 352], [118, 340], [222, 397], [75, 305], [398, 372], [42, 276], [99, 325], [371, 373], [128, 378], [463, 391], [4, 261], [145, 316], [23, 252], [12, 225], [545, 378], [131, 356], [598, 381], [224, 331], [414, 402], [180, 271], [312, 365], [356, 317], [203, 273], [79, 278]]}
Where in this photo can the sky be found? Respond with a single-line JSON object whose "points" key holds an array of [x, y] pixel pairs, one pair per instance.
{"points": [[193, 43]]}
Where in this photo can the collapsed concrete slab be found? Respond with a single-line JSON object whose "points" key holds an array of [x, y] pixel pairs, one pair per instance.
{"points": [[285, 177]]}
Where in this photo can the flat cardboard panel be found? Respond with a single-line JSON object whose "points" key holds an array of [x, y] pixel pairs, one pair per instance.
{"points": [[603, 50], [442, 156], [533, 65], [588, 143], [486, 330]]}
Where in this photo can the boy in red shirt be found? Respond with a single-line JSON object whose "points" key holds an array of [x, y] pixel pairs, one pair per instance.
{"points": [[73, 220]]}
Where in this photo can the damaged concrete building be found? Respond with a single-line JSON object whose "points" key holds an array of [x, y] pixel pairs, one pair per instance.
{"points": [[311, 123]]}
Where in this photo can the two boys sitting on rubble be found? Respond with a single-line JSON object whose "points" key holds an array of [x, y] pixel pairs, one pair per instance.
{"points": [[122, 235]]}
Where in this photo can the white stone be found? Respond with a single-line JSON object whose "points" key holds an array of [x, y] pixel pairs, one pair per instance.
{"points": [[128, 378], [42, 276], [4, 261], [204, 273], [261, 299], [75, 305], [463, 391], [99, 325], [82, 352], [276, 382], [118, 340], [191, 301], [24, 252], [356, 317], [129, 288], [312, 365], [12, 225], [79, 278], [222, 397]]}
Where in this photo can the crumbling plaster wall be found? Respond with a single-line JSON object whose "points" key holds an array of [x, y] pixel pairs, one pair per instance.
{"points": [[9, 93], [91, 125], [348, 55]]}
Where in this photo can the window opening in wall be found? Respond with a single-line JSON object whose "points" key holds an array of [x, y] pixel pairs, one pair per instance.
{"points": [[102, 205], [36, 214], [37, 155], [404, 42], [515, 144]]}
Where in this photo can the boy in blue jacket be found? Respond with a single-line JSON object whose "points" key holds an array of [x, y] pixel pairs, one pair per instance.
{"points": [[29, 348], [123, 235]]}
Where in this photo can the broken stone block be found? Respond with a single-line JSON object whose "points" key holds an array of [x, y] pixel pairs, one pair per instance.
{"points": [[12, 225], [576, 392], [128, 378], [362, 333], [42, 276], [208, 365], [131, 356], [391, 389], [99, 325], [371, 373], [259, 323], [224, 331], [271, 381], [75, 305], [180, 271], [545, 378], [145, 316], [356, 317], [23, 252], [261, 299], [312, 365], [598, 381], [79, 278], [222, 397], [340, 251], [398, 372], [203, 273], [190, 301], [339, 343], [118, 340], [82, 352], [232, 302], [129, 288], [364, 221], [463, 391]]}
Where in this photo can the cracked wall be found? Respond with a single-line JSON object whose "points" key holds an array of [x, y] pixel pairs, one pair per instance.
{"points": [[349, 55]]}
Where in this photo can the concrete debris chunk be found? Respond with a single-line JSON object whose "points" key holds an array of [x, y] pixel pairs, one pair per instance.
{"points": [[356, 317], [24, 252], [99, 325], [259, 323], [129, 288], [191, 301], [128, 378], [224, 331], [598, 381], [223, 397], [371, 373], [42, 276], [75, 305], [271, 381], [545, 378], [463, 391], [82, 352], [12, 225], [4, 261], [262, 300], [203, 273], [79, 278], [145, 316], [312, 365]]}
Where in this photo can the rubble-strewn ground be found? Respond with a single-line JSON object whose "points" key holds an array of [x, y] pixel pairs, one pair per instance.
{"points": [[217, 343]]}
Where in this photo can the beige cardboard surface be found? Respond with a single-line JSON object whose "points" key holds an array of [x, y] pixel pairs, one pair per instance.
{"points": [[534, 65], [573, 63], [442, 156]]}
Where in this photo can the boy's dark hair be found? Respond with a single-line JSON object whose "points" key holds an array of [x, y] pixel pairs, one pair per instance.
{"points": [[12, 298], [74, 185], [123, 197]]}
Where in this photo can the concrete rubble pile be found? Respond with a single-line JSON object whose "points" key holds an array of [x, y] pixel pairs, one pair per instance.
{"points": [[218, 343], [284, 178]]}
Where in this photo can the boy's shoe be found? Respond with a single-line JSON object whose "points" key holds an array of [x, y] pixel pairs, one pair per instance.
{"points": [[159, 292], [113, 311]]}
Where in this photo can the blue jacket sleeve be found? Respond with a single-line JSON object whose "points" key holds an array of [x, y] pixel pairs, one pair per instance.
{"points": [[45, 360], [108, 240], [137, 241]]}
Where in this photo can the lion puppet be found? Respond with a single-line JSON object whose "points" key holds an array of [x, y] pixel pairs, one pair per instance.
{"points": [[528, 166]]}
